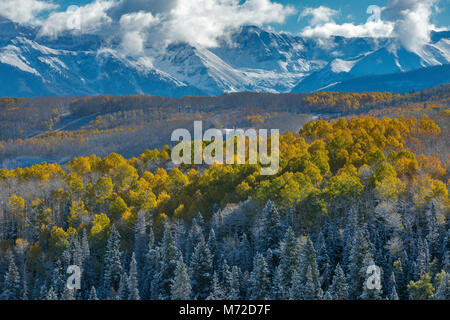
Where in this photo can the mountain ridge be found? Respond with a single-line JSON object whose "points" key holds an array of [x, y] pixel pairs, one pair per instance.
{"points": [[257, 60]]}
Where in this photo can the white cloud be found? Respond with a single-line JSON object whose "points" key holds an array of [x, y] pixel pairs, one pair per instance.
{"points": [[412, 21], [86, 19], [24, 11], [369, 29], [408, 21], [134, 27], [319, 15], [198, 22], [203, 22]]}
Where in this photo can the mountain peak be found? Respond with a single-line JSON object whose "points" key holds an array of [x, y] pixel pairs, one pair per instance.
{"points": [[253, 59]]}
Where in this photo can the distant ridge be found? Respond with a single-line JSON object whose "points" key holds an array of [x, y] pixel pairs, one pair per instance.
{"points": [[401, 82]]}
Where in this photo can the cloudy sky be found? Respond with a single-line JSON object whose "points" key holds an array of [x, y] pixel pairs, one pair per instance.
{"points": [[203, 22]]}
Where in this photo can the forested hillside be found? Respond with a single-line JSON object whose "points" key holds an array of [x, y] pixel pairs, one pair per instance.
{"points": [[59, 129], [350, 193]]}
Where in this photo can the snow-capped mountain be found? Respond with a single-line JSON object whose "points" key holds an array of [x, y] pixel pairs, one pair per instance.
{"points": [[386, 60], [253, 59]]}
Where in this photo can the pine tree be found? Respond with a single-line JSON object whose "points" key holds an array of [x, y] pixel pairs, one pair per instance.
{"points": [[423, 259], [43, 293], [443, 290], [123, 292], [196, 233], [151, 267], [297, 289], [339, 289], [244, 253], [360, 248], [67, 294], [181, 287], [212, 246], [323, 262], [217, 293], [201, 272], [58, 282], [271, 232], [327, 296], [133, 289], [310, 291], [93, 294], [308, 263], [401, 277], [288, 261], [278, 290], [12, 283], [234, 284], [85, 245], [226, 276], [392, 286], [394, 295], [140, 241], [51, 295], [89, 275], [113, 264], [168, 263], [432, 230], [260, 279]]}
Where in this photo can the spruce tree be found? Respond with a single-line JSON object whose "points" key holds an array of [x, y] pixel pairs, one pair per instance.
{"points": [[133, 289], [308, 263], [217, 293], [260, 279], [327, 296], [140, 241], [323, 262], [443, 290], [113, 264], [181, 287], [360, 248], [201, 272], [57, 281], [212, 246], [235, 284], [123, 292], [93, 294], [278, 290], [244, 253], [393, 295], [196, 233], [12, 283], [168, 263], [339, 289], [310, 291], [68, 294], [271, 232], [423, 259], [43, 292], [51, 295], [289, 261], [297, 289]]}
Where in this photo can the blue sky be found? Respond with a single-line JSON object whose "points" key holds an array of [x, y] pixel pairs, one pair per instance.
{"points": [[205, 22], [353, 11]]}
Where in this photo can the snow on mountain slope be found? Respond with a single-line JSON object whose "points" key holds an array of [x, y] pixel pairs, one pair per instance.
{"points": [[386, 60], [253, 59], [35, 69]]}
